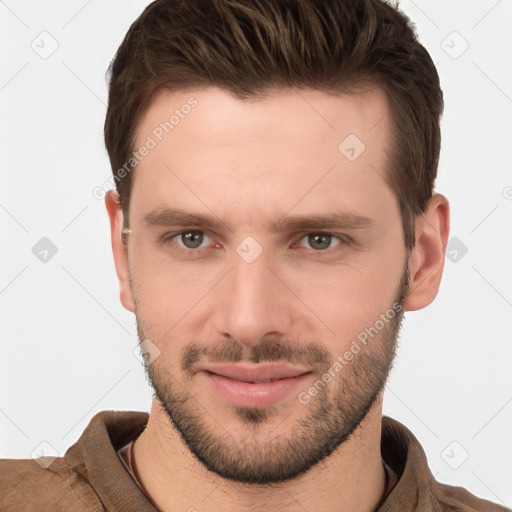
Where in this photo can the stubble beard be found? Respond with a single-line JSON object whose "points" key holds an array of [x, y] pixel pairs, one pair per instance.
{"points": [[328, 420]]}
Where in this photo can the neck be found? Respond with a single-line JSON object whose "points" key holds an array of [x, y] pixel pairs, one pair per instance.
{"points": [[352, 478]]}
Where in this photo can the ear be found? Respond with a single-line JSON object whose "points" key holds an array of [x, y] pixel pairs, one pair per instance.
{"points": [[120, 254], [426, 261]]}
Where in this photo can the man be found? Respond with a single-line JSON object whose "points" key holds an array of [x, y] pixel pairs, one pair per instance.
{"points": [[274, 218]]}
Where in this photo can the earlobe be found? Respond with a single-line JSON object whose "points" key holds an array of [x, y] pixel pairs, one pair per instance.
{"points": [[426, 261], [120, 254]]}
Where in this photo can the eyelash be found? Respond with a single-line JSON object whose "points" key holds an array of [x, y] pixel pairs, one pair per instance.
{"points": [[168, 238]]}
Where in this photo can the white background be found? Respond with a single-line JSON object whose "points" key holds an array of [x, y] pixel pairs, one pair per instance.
{"points": [[66, 342]]}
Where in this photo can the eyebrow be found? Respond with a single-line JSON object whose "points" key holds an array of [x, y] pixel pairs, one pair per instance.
{"points": [[335, 220]]}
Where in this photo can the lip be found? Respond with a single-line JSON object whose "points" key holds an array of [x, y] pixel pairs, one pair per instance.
{"points": [[255, 372], [254, 385]]}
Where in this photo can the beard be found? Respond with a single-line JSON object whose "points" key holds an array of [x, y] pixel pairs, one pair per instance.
{"points": [[330, 418]]}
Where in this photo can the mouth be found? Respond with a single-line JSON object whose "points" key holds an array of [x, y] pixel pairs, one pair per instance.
{"points": [[255, 385]]}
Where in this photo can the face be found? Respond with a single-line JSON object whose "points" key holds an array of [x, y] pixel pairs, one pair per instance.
{"points": [[268, 272]]}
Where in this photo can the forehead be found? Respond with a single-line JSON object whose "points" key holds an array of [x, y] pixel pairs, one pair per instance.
{"points": [[217, 116], [262, 155]]}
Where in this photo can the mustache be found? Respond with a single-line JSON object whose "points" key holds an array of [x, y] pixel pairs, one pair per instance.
{"points": [[270, 349]]}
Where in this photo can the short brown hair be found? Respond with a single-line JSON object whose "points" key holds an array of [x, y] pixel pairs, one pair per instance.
{"points": [[249, 47]]}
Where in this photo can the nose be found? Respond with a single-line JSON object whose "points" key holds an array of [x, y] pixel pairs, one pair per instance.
{"points": [[252, 303]]}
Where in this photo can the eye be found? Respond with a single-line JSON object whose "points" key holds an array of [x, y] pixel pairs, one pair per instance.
{"points": [[192, 239], [320, 241]]}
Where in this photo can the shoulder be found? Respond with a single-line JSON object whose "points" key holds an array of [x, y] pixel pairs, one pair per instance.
{"points": [[417, 488], [459, 499], [89, 474], [26, 485]]}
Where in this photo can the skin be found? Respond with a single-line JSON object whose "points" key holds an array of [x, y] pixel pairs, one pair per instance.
{"points": [[248, 163]]}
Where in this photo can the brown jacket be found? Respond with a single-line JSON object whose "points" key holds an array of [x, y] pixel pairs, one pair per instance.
{"points": [[91, 477]]}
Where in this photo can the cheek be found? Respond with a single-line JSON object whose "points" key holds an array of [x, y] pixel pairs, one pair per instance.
{"points": [[346, 298], [165, 290]]}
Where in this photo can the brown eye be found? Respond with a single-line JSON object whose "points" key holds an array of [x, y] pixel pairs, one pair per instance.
{"points": [[190, 239], [320, 241]]}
